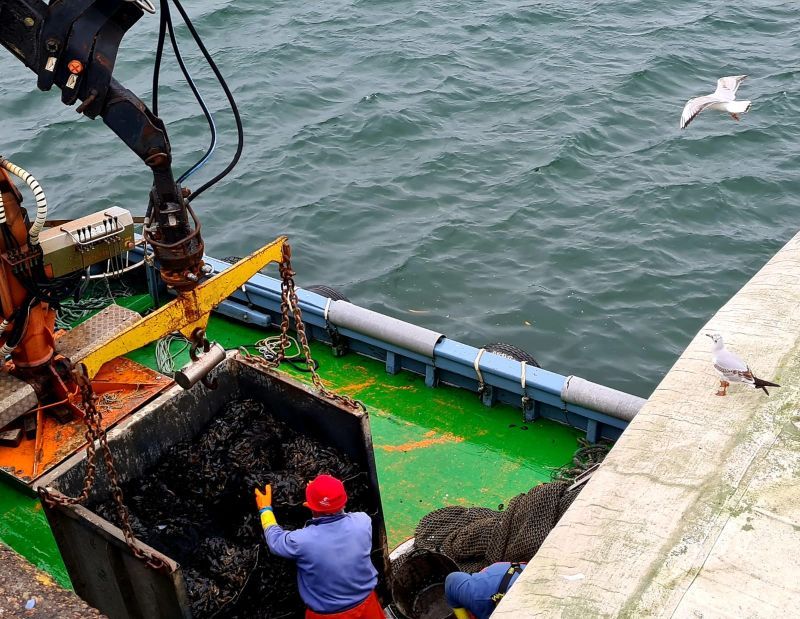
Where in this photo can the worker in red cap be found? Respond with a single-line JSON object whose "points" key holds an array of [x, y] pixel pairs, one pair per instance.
{"points": [[335, 575]]}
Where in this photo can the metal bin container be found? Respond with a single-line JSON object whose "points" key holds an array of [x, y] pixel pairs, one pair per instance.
{"points": [[102, 568]]}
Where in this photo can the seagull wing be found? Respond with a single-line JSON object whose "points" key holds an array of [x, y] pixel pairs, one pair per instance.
{"points": [[694, 106], [732, 366], [727, 87]]}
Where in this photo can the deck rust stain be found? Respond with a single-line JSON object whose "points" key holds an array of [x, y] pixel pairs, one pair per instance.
{"points": [[357, 387], [430, 440]]}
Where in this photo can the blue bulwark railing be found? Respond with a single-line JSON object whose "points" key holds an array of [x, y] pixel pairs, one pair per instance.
{"points": [[600, 411]]}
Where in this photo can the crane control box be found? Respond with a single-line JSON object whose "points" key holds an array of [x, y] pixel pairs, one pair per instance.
{"points": [[80, 243]]}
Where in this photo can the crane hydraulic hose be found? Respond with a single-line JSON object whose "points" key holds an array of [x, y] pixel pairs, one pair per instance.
{"points": [[38, 194]]}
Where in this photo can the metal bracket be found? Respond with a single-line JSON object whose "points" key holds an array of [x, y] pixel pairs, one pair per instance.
{"points": [[584, 477]]}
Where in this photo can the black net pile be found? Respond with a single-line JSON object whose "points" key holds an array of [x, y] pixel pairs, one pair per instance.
{"points": [[196, 506], [475, 537]]}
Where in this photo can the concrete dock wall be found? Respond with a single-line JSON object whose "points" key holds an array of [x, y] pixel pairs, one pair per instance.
{"points": [[696, 510]]}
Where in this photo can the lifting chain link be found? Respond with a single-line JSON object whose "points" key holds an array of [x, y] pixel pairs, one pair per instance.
{"points": [[291, 306], [96, 433]]}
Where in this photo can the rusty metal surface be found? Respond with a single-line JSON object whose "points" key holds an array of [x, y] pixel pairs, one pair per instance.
{"points": [[16, 398], [98, 330], [105, 574], [122, 386]]}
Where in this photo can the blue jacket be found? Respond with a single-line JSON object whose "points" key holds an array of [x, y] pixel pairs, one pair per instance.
{"points": [[334, 570], [474, 591]]}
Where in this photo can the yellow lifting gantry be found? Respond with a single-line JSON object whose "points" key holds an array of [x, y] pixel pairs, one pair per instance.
{"points": [[188, 312]]}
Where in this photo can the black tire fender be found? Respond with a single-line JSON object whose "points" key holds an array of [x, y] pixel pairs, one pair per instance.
{"points": [[509, 351], [327, 291]]}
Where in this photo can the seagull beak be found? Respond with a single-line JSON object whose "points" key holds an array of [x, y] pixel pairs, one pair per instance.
{"points": [[709, 335]]}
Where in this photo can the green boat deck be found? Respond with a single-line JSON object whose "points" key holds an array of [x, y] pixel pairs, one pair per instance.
{"points": [[433, 447]]}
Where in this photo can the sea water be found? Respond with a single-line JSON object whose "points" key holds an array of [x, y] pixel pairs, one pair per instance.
{"points": [[500, 171]]}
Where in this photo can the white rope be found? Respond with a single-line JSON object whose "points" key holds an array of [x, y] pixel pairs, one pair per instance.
{"points": [[270, 347], [38, 194], [522, 381], [165, 358], [477, 365], [327, 308], [117, 272]]}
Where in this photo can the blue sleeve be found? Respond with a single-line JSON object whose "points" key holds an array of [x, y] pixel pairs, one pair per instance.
{"points": [[286, 544], [457, 589]]}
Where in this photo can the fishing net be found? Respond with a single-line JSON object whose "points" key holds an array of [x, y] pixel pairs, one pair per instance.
{"points": [[476, 537]]}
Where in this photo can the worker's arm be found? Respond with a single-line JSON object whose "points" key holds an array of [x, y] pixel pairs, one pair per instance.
{"points": [[458, 591], [280, 542]]}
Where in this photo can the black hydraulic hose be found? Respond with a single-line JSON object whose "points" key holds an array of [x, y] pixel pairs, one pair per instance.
{"points": [[162, 31], [231, 101], [198, 97]]}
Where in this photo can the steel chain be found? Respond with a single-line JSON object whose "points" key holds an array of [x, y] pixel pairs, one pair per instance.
{"points": [[95, 432], [291, 305]]}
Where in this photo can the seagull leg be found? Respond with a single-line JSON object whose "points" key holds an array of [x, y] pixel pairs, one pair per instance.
{"points": [[723, 387], [735, 117]]}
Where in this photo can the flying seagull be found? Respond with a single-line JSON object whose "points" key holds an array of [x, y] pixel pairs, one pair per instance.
{"points": [[731, 368], [723, 99]]}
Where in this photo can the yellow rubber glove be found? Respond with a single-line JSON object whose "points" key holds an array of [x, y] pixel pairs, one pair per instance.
{"points": [[461, 613], [264, 503]]}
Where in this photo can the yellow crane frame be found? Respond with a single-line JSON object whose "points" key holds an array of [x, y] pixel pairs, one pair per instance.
{"points": [[189, 311]]}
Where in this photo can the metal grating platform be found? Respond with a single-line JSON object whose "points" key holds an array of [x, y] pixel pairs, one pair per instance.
{"points": [[100, 328], [16, 398]]}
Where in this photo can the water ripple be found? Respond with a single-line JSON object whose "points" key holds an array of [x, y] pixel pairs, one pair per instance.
{"points": [[514, 169]]}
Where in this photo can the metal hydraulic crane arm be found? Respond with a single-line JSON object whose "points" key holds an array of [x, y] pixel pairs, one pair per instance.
{"points": [[73, 45]]}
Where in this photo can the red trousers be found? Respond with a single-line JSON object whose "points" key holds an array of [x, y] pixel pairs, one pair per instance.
{"points": [[368, 609]]}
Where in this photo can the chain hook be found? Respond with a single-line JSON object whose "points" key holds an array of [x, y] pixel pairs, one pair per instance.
{"points": [[290, 307]]}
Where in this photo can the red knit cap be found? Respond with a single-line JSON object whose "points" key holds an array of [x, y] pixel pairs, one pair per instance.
{"points": [[325, 495]]}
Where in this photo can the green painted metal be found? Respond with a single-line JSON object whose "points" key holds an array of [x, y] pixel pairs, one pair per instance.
{"points": [[433, 447], [24, 528]]}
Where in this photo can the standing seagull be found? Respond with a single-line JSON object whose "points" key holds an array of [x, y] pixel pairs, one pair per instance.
{"points": [[723, 99], [731, 368]]}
